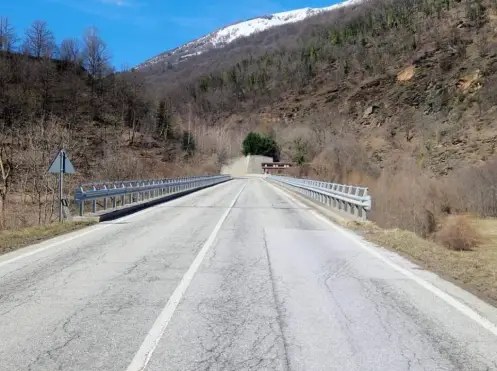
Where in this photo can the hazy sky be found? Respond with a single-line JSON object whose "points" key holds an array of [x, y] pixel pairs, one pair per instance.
{"points": [[139, 29]]}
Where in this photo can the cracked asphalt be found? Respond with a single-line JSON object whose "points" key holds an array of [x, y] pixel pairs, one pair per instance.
{"points": [[277, 290]]}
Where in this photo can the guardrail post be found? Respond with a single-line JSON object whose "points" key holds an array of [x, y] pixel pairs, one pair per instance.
{"points": [[105, 199], [94, 203], [81, 204], [365, 209], [356, 210], [123, 196]]}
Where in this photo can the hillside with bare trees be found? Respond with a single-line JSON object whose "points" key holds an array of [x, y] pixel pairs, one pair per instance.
{"points": [[398, 95], [68, 95]]}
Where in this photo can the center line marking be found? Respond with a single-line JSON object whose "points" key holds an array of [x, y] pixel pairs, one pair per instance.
{"points": [[144, 354]]}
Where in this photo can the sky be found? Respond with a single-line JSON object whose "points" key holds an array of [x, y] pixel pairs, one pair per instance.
{"points": [[136, 30]]}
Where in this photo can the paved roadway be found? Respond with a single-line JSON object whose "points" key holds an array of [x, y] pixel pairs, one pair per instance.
{"points": [[256, 282]]}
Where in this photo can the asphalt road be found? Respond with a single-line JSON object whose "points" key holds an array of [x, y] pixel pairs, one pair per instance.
{"points": [[235, 277]]}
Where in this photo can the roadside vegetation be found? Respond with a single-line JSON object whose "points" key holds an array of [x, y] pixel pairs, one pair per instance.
{"points": [[448, 254], [11, 240]]}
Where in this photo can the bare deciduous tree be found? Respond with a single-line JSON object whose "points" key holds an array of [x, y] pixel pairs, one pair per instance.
{"points": [[95, 60], [95, 53], [40, 41], [6, 170], [8, 36], [70, 51]]}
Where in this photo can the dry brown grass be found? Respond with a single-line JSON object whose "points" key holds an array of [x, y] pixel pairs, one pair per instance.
{"points": [[404, 196], [407, 198], [15, 239], [458, 233]]}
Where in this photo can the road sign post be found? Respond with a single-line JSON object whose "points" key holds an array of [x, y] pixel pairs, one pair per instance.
{"points": [[61, 165]]}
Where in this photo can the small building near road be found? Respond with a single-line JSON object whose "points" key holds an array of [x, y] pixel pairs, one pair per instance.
{"points": [[276, 167]]}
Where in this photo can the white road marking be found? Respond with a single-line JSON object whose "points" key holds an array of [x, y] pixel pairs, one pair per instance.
{"points": [[38, 248], [461, 307], [85, 232], [144, 354], [52, 245]]}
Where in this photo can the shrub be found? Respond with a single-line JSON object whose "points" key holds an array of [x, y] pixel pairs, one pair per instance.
{"points": [[457, 233], [405, 197], [260, 144], [342, 161], [473, 189]]}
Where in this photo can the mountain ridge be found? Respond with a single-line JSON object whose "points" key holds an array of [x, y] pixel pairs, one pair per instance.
{"points": [[228, 34]]}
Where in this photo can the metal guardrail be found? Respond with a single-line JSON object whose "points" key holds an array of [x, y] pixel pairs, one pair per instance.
{"points": [[347, 198], [124, 193]]}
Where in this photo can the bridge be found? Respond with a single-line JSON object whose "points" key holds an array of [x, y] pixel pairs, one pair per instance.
{"points": [[231, 272]]}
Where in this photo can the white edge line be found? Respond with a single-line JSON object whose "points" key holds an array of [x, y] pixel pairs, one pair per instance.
{"points": [[463, 308], [144, 354], [37, 250], [40, 247]]}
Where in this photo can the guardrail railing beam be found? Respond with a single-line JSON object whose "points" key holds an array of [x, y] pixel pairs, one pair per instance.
{"points": [[129, 192], [346, 198]]}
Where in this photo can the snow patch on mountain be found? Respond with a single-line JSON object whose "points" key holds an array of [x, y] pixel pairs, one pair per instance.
{"points": [[228, 34]]}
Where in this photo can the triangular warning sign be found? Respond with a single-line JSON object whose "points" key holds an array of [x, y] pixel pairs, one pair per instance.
{"points": [[61, 162]]}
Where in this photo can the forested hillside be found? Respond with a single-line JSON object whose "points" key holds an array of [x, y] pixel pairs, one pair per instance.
{"points": [[67, 95], [395, 94]]}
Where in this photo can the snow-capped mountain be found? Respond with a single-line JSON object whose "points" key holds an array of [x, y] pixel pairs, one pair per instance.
{"points": [[228, 34]]}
